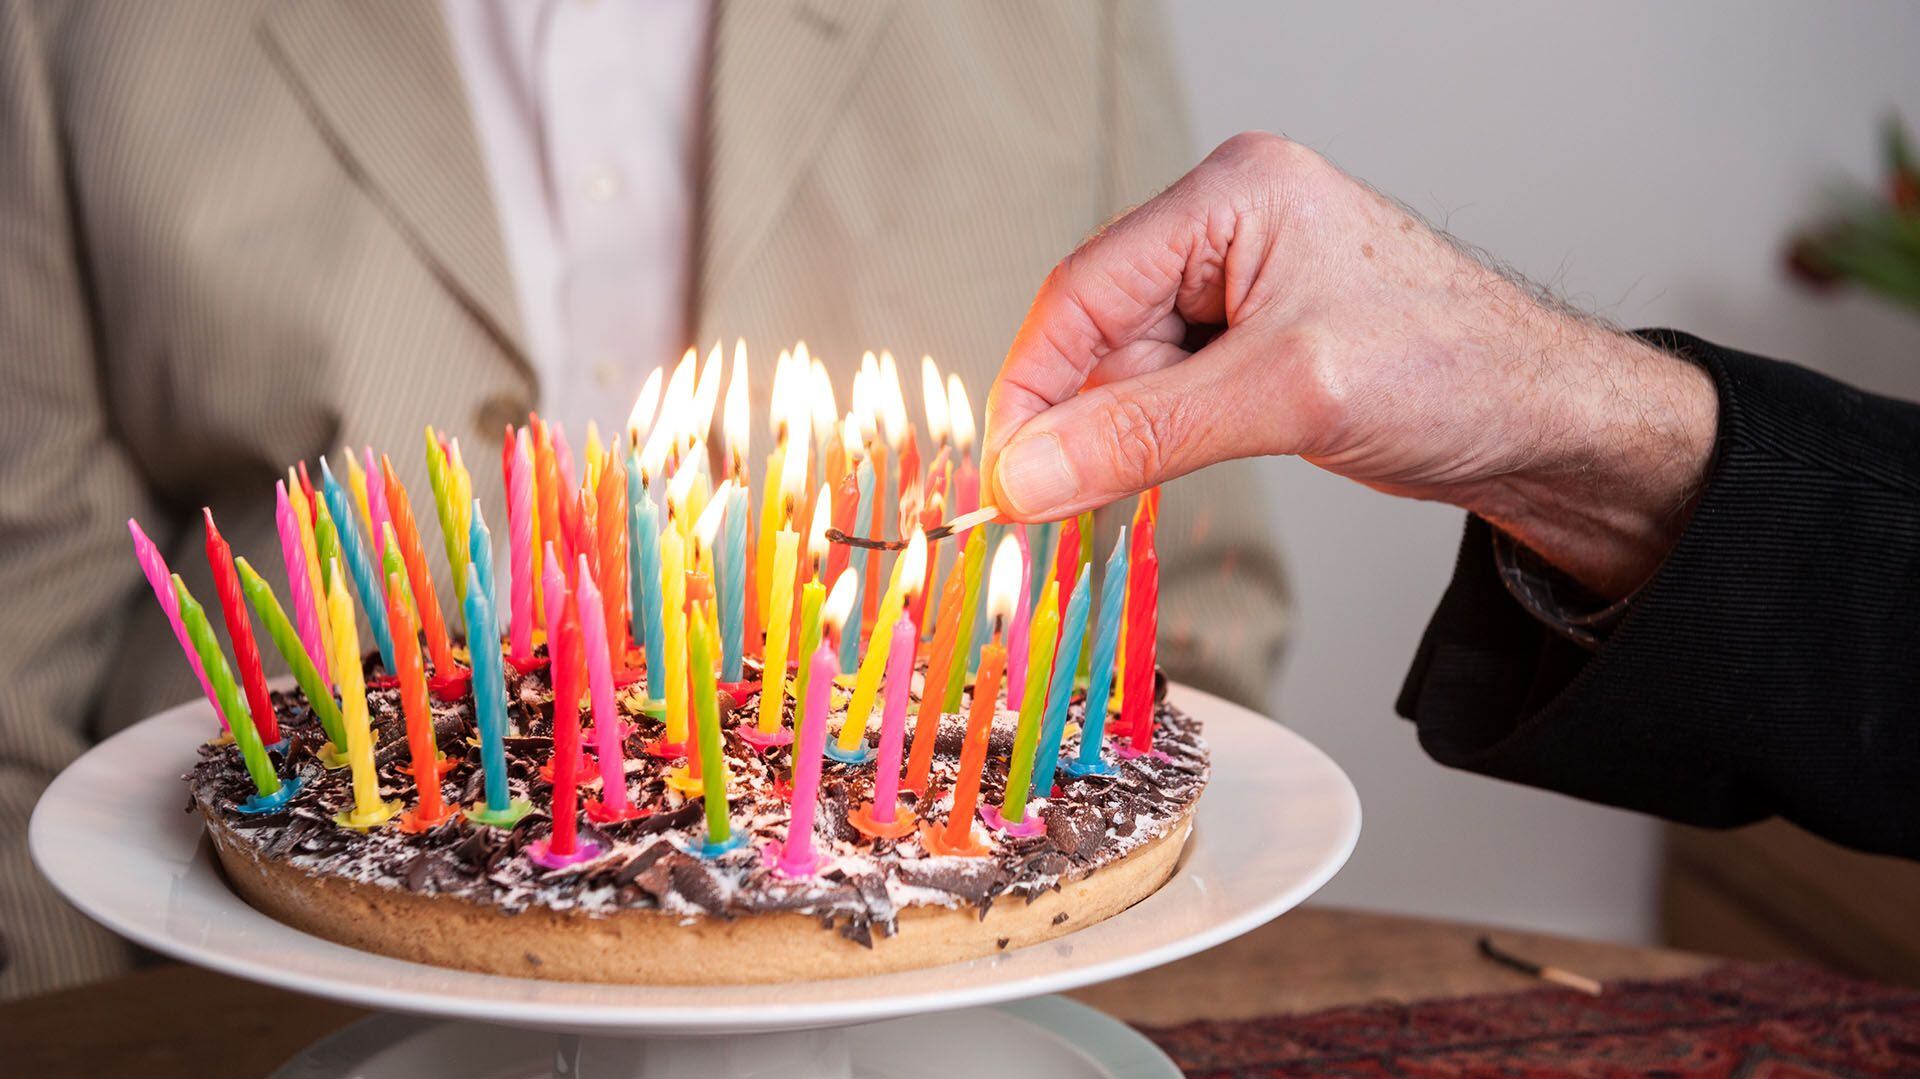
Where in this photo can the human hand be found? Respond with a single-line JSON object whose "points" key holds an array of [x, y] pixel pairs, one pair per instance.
{"points": [[1354, 336]]}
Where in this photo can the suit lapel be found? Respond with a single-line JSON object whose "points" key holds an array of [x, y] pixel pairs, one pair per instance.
{"points": [[380, 79], [781, 73]]}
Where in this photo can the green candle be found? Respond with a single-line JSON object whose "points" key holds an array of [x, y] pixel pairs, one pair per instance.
{"points": [[1043, 635], [706, 710], [451, 529], [285, 638], [326, 545], [392, 565], [976, 561], [811, 595], [220, 676]]}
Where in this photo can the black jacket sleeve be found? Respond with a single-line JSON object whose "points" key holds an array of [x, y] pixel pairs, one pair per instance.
{"points": [[1770, 667]]}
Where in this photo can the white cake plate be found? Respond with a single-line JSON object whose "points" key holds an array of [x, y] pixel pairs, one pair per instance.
{"points": [[1278, 819]]}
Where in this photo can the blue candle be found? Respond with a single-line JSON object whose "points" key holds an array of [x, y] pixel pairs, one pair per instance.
{"points": [[489, 704], [732, 587], [365, 581], [480, 553], [643, 589], [1106, 640], [850, 635], [1066, 662]]}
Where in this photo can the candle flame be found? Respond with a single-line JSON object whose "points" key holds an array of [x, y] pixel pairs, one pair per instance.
{"points": [[892, 403], [850, 439], [1004, 580], [681, 486], [706, 395], [959, 414], [776, 404], [934, 394], [793, 472], [707, 528], [839, 604], [736, 422], [640, 418], [817, 534], [675, 403], [825, 408], [913, 565]]}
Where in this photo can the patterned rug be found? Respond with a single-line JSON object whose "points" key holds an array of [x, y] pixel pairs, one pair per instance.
{"points": [[1764, 1021]]}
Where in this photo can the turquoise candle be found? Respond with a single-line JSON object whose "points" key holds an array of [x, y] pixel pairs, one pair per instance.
{"points": [[480, 553], [644, 590], [732, 587], [1060, 690], [489, 700], [365, 581], [850, 635], [1106, 640]]}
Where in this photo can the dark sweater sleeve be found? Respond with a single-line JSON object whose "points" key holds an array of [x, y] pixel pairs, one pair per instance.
{"points": [[1770, 667]]}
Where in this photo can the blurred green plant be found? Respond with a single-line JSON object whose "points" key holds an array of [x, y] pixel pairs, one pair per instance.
{"points": [[1873, 238]]}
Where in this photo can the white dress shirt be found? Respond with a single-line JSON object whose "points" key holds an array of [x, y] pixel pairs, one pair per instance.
{"points": [[589, 117]]}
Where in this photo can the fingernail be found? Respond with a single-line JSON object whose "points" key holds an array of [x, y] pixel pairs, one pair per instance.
{"points": [[1034, 474]]}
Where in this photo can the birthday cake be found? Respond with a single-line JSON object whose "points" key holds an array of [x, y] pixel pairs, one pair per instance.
{"points": [[649, 908], [667, 757]]}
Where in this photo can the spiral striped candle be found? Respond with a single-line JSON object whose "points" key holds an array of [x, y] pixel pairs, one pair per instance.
{"points": [[293, 553], [160, 578]]}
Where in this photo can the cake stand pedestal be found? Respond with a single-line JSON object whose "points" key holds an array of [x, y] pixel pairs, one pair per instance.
{"points": [[1277, 820]]}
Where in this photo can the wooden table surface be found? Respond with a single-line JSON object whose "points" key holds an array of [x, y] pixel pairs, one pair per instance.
{"points": [[173, 1020]]}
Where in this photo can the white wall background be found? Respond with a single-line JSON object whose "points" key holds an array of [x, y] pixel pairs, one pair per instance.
{"points": [[1645, 157]]}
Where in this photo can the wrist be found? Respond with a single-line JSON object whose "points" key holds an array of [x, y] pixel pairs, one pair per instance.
{"points": [[1625, 434]]}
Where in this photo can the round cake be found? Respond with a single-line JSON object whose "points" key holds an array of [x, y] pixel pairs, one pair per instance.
{"points": [[651, 907]]}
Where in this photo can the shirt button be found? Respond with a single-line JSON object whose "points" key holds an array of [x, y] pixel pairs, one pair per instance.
{"points": [[603, 184]]}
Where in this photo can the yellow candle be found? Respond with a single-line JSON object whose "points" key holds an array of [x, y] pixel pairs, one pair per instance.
{"points": [[673, 584], [908, 570], [357, 483], [769, 519], [368, 810], [302, 510]]}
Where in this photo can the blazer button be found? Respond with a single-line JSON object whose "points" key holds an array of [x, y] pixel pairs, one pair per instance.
{"points": [[494, 414]]}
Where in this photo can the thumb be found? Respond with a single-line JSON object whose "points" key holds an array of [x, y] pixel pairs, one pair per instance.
{"points": [[1121, 437]]}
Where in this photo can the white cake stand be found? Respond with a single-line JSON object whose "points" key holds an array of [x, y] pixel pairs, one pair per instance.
{"points": [[1277, 821]]}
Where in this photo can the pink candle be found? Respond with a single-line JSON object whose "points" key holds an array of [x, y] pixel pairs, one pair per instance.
{"points": [[161, 578], [293, 551], [796, 857], [613, 804], [883, 818], [376, 499], [520, 538], [1022, 622]]}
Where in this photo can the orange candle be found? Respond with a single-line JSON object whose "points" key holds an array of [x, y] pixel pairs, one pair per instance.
{"points": [[429, 808], [926, 727], [420, 578], [1004, 584]]}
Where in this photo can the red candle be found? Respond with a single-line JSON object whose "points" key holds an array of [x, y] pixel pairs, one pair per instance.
{"points": [[547, 492], [226, 582], [429, 809], [1066, 560], [1143, 626], [563, 846], [846, 502], [418, 575], [926, 727], [876, 529]]}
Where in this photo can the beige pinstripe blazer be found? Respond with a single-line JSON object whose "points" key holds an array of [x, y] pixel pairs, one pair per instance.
{"points": [[238, 233]]}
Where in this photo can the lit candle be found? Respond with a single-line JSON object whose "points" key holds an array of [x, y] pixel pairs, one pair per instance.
{"points": [[246, 651], [1060, 688], [160, 578], [490, 709], [673, 582], [732, 584], [563, 846], [796, 857], [253, 753], [607, 733], [846, 498], [957, 836], [366, 579], [881, 818], [974, 558], [908, 570], [367, 811], [1106, 641], [1143, 625], [1019, 631], [287, 642], [926, 727], [1012, 814], [713, 762], [786, 546], [866, 522], [966, 475], [293, 554], [812, 594], [429, 809], [420, 583], [649, 621]]}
